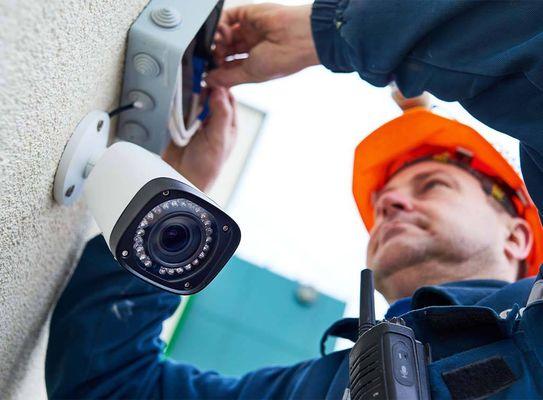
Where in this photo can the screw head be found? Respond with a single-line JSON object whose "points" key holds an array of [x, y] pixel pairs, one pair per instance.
{"points": [[187, 284], [124, 253], [165, 193], [69, 191], [225, 228], [306, 295], [100, 125]]}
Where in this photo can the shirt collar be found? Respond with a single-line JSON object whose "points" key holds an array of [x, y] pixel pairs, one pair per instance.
{"points": [[462, 293], [466, 293], [447, 294], [399, 307]]}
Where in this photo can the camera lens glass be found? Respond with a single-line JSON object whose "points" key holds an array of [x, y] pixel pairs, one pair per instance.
{"points": [[174, 238]]}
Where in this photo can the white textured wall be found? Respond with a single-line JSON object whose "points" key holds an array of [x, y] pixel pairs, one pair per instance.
{"points": [[59, 59]]}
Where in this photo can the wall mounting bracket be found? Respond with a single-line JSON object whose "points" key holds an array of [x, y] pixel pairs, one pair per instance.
{"points": [[84, 147]]}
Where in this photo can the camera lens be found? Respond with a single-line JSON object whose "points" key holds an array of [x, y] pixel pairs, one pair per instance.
{"points": [[174, 238]]}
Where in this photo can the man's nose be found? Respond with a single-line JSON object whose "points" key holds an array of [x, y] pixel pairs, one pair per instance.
{"points": [[393, 202]]}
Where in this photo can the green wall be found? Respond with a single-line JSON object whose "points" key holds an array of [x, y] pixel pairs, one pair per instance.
{"points": [[249, 317]]}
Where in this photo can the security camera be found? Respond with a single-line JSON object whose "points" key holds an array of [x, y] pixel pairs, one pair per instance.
{"points": [[156, 223]]}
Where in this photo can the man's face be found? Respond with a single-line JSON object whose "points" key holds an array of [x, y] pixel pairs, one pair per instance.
{"points": [[433, 221]]}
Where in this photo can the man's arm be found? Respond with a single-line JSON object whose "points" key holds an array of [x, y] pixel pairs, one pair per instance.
{"points": [[104, 343]]}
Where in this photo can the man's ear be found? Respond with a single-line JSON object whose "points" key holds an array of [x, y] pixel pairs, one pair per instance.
{"points": [[520, 241]]}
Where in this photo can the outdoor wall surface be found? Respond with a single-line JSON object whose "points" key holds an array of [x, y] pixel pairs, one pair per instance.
{"points": [[59, 59]]}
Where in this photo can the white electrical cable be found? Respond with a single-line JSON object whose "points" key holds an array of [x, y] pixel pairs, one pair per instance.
{"points": [[179, 133]]}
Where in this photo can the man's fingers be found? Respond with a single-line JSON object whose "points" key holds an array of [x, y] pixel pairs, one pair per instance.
{"points": [[234, 41], [251, 14], [265, 61], [233, 104], [231, 99], [221, 110], [236, 15], [223, 34], [229, 16], [240, 29], [218, 127], [258, 31], [231, 74]]}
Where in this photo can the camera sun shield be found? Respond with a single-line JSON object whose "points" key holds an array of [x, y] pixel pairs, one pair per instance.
{"points": [[171, 237]]}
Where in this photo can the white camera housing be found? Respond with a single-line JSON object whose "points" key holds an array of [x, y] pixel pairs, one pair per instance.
{"points": [[156, 223], [122, 170]]}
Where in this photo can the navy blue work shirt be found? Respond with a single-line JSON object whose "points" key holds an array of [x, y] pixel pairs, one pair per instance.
{"points": [[104, 341], [104, 336]]}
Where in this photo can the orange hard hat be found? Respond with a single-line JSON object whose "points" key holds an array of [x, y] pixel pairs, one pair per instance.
{"points": [[417, 133]]}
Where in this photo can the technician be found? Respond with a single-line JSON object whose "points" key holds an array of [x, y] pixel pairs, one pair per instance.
{"points": [[452, 226]]}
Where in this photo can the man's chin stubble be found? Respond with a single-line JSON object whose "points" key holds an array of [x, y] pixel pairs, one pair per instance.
{"points": [[406, 260], [402, 281], [400, 257]]}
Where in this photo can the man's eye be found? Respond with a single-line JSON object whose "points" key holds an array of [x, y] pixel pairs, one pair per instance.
{"points": [[434, 183]]}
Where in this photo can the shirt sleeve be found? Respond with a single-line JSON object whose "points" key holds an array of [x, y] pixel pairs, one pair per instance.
{"points": [[104, 343], [485, 54]]}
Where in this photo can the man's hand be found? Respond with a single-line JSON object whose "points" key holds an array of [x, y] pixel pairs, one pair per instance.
{"points": [[201, 160], [275, 39]]}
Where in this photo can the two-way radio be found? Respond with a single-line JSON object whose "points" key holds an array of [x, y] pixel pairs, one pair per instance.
{"points": [[386, 362]]}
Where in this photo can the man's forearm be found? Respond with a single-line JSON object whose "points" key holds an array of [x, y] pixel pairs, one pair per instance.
{"points": [[104, 331], [104, 343]]}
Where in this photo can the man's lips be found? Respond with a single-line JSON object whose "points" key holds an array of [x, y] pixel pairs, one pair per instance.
{"points": [[393, 228]]}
